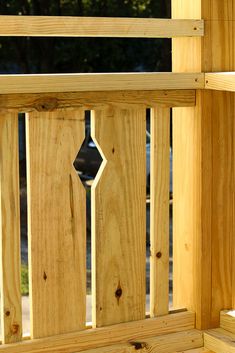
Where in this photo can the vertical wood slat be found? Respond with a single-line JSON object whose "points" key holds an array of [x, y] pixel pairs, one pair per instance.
{"points": [[57, 224], [159, 211], [119, 216], [11, 311]]}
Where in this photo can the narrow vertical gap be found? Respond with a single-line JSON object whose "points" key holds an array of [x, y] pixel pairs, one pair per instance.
{"points": [[148, 205], [82, 166], [171, 220], [24, 227], [87, 164]]}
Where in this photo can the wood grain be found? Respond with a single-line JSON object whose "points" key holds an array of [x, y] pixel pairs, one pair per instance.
{"points": [[203, 180], [159, 212], [44, 83], [98, 337], [219, 341], [227, 320], [174, 342], [220, 81], [90, 100], [119, 216], [11, 311], [59, 26], [57, 223]]}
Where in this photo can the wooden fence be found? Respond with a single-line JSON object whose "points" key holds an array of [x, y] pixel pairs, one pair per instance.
{"points": [[55, 129]]}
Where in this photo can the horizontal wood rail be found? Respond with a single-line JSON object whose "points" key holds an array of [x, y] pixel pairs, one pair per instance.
{"points": [[219, 341], [94, 338], [53, 26], [220, 81], [90, 100], [99, 82], [181, 341], [227, 320]]}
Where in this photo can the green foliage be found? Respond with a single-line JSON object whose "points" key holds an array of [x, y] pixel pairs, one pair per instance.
{"points": [[28, 55], [24, 280]]}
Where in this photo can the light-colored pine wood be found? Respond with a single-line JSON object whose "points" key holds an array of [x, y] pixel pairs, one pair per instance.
{"points": [[203, 168], [90, 100], [54, 26], [219, 341], [159, 212], [56, 223], [119, 216], [174, 342], [98, 337], [227, 320], [99, 82], [11, 312], [221, 81]]}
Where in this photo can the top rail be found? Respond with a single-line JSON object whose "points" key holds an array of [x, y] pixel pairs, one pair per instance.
{"points": [[59, 26]]}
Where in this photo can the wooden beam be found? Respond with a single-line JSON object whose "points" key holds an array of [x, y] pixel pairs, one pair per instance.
{"points": [[118, 228], [11, 310], [90, 100], [56, 223], [173, 342], [99, 82], [116, 334], [219, 341], [220, 81], [159, 211], [54, 26], [227, 320], [203, 179]]}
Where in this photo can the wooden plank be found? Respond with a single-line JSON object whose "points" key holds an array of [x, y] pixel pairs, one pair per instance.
{"points": [[227, 320], [99, 82], [11, 311], [174, 342], [119, 216], [90, 100], [59, 26], [98, 337], [219, 341], [203, 182], [57, 223], [159, 212], [221, 81]]}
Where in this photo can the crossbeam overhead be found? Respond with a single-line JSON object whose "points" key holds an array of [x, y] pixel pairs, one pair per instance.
{"points": [[55, 26]]}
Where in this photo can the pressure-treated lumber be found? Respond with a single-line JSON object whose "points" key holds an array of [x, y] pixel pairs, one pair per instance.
{"points": [[203, 165], [116, 334], [99, 82], [90, 100], [11, 311], [174, 342], [54, 26], [119, 216], [227, 320], [57, 223], [221, 81], [159, 212], [219, 341]]}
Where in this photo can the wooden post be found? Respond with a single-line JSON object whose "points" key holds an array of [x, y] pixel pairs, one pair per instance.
{"points": [[203, 154]]}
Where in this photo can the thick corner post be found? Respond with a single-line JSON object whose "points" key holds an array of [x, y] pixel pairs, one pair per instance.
{"points": [[203, 150]]}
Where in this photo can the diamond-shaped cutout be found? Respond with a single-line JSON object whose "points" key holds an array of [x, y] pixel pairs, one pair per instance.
{"points": [[88, 159]]}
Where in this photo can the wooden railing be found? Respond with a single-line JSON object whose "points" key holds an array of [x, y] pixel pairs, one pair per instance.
{"points": [[55, 130]]}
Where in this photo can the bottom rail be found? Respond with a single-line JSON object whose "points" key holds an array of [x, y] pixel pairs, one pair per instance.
{"points": [[110, 335]]}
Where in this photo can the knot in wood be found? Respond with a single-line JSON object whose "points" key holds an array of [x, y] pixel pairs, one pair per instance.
{"points": [[139, 345], [159, 254]]}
